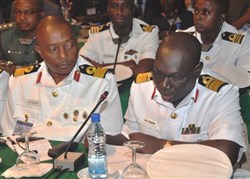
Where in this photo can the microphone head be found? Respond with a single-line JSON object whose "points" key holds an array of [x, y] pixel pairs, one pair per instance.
{"points": [[103, 96]]}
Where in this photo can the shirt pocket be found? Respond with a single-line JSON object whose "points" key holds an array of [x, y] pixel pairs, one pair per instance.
{"points": [[27, 113], [149, 126], [195, 137]]}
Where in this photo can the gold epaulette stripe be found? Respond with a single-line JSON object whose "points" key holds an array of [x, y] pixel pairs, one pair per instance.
{"points": [[231, 37], [143, 77], [211, 82], [147, 28], [93, 71], [26, 70], [6, 26]]}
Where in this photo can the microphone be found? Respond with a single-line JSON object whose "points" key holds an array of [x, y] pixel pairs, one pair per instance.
{"points": [[73, 160], [116, 55]]}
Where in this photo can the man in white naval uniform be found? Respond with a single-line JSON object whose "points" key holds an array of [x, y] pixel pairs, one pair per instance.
{"points": [[132, 40], [225, 48], [57, 95], [183, 103]]}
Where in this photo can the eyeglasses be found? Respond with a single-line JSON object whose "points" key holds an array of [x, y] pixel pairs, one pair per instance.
{"points": [[26, 12], [158, 76]]}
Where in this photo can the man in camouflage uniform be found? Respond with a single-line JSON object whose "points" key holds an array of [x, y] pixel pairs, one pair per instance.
{"points": [[17, 39]]}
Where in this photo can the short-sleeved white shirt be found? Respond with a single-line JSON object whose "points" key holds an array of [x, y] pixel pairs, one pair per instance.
{"points": [[58, 110], [202, 115], [142, 44], [226, 52]]}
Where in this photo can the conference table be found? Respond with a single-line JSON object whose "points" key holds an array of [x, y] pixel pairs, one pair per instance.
{"points": [[9, 157]]}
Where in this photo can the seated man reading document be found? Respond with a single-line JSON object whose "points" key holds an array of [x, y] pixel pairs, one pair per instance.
{"points": [[125, 40], [182, 102], [57, 95]]}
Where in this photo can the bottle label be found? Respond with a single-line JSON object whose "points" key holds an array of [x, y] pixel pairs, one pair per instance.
{"points": [[97, 165]]}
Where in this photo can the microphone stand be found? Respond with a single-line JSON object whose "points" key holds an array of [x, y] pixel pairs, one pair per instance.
{"points": [[116, 55], [75, 159], [102, 98]]}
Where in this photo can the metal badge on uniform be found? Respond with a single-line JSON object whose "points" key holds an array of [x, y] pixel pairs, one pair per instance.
{"points": [[91, 11], [22, 127], [14, 52], [25, 41]]}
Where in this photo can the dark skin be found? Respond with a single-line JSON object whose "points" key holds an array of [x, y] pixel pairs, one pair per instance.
{"points": [[26, 23], [177, 57], [208, 19], [56, 44], [121, 15]]}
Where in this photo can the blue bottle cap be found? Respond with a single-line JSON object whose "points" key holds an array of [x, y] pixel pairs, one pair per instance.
{"points": [[95, 117]]}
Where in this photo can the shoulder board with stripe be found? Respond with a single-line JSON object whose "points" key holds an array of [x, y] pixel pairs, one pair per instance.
{"points": [[231, 37], [26, 70], [93, 71], [147, 28], [1, 70], [211, 82], [6, 26], [143, 77], [99, 28]]}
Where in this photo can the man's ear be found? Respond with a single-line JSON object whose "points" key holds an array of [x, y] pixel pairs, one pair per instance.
{"points": [[198, 68]]}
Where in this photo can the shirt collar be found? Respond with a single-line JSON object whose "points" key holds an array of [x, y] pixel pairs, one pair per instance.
{"points": [[192, 96]]}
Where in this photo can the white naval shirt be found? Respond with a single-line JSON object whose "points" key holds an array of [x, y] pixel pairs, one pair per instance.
{"points": [[141, 45], [225, 52], [4, 79], [203, 115], [57, 111]]}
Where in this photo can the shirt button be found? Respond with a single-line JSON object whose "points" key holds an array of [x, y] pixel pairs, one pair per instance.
{"points": [[84, 114], [26, 116], [173, 115], [49, 123], [65, 115], [75, 119], [207, 58], [54, 93]]}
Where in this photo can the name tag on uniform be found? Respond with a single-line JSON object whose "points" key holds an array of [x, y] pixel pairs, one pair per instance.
{"points": [[91, 11], [22, 127], [150, 123], [33, 102]]}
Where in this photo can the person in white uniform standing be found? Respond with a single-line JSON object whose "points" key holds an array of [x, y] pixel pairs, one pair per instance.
{"points": [[56, 96], [184, 103], [133, 41]]}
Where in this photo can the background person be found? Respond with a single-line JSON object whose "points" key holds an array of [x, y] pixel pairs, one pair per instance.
{"points": [[57, 95], [49, 9], [135, 41], [17, 40], [184, 103]]}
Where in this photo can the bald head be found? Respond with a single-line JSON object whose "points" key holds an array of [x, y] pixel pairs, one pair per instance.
{"points": [[51, 25], [185, 43], [177, 66]]}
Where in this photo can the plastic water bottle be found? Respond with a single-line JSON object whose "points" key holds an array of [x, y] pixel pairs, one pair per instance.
{"points": [[97, 158]]}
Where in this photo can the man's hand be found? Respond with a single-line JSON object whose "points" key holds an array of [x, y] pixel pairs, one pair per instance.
{"points": [[7, 66], [152, 144]]}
